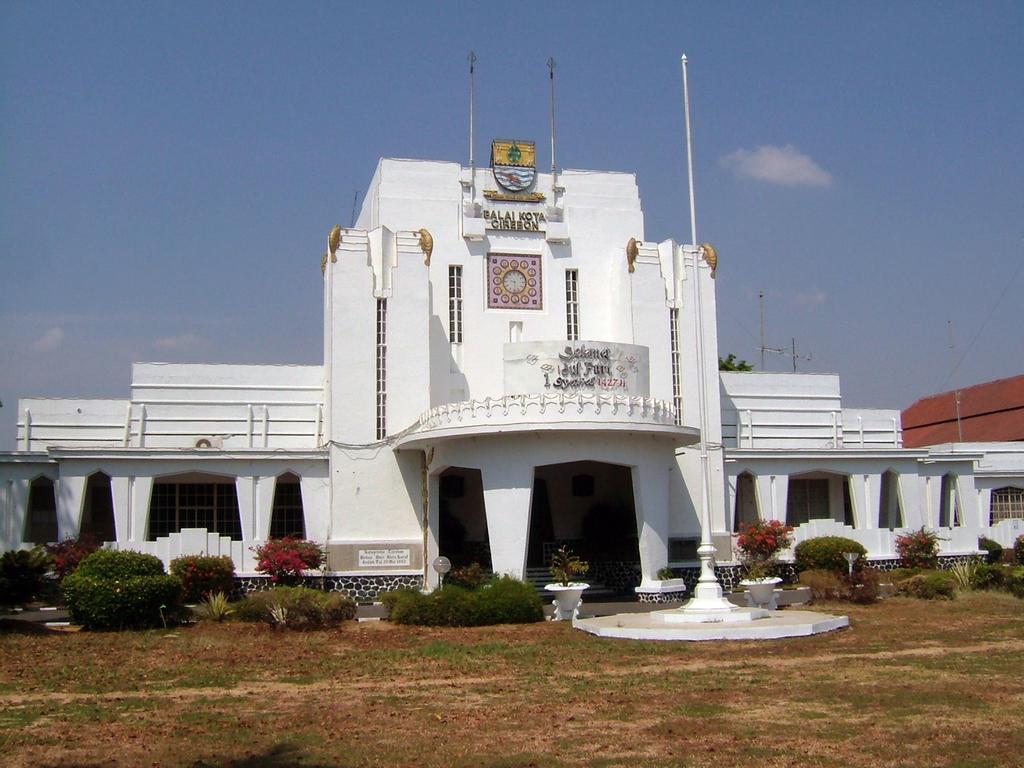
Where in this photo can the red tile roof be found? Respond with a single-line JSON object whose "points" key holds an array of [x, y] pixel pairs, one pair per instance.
{"points": [[989, 412]]}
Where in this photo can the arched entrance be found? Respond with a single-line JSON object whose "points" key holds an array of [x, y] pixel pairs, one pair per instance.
{"points": [[98, 509], [462, 528], [287, 517], [41, 519], [589, 506]]}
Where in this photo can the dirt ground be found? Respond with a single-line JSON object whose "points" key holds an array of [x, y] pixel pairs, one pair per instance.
{"points": [[911, 683]]}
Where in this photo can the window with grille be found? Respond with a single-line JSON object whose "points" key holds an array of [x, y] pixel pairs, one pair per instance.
{"points": [[677, 394], [455, 304], [572, 305], [213, 506], [287, 517], [382, 348], [1007, 504]]}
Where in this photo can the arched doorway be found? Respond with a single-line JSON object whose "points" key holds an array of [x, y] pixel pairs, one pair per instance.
{"points": [[462, 521], [589, 506], [287, 516], [194, 500], [745, 512], [98, 509], [41, 516], [890, 508]]}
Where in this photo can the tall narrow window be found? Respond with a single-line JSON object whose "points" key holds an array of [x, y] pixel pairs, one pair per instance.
{"points": [[677, 394], [455, 304], [572, 305], [382, 348]]}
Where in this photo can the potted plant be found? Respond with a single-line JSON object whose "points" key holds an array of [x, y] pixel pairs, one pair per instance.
{"points": [[759, 544], [568, 594]]}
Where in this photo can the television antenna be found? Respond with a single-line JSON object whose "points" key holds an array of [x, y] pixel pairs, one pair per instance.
{"points": [[790, 353]]}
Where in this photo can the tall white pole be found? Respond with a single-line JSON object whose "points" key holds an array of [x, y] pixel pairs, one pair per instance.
{"points": [[551, 74], [689, 155], [472, 161], [708, 603]]}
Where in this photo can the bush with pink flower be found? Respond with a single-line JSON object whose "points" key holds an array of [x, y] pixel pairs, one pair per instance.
{"points": [[284, 560]]}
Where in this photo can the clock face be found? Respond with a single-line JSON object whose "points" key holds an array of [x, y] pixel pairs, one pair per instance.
{"points": [[514, 281]]}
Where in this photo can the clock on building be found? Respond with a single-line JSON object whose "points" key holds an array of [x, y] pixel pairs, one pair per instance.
{"points": [[514, 281]]}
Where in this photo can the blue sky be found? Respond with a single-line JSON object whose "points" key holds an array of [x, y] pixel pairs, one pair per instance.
{"points": [[168, 172]]}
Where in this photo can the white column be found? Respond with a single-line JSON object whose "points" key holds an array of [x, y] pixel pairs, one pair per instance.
{"points": [[245, 488], [651, 484], [859, 497], [70, 497], [970, 514], [18, 505], [316, 506], [910, 501], [265, 487], [120, 492], [765, 485], [141, 490], [508, 489]]}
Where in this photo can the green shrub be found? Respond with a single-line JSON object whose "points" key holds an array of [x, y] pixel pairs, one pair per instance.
{"points": [[931, 586], [993, 550], [70, 552], [989, 576], [862, 587], [825, 553], [297, 608], [824, 584], [918, 549], [23, 574], [1018, 550], [469, 576], [121, 590], [202, 575], [135, 602], [109, 564], [502, 601]]}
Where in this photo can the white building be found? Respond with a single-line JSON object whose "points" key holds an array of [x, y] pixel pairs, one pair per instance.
{"points": [[508, 364]]}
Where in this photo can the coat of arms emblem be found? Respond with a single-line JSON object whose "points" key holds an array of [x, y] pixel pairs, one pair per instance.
{"points": [[514, 163]]}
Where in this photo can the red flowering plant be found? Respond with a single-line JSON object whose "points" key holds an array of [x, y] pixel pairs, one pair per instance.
{"points": [[759, 545], [918, 549], [285, 559], [68, 553]]}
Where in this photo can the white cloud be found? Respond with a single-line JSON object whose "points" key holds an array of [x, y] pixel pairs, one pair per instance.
{"points": [[179, 342], [815, 298], [52, 339], [787, 166]]}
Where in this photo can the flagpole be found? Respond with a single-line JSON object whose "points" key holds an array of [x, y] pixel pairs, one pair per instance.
{"points": [[689, 154], [551, 76], [708, 602], [472, 161]]}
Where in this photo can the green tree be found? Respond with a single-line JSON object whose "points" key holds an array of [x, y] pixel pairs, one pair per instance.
{"points": [[730, 363]]}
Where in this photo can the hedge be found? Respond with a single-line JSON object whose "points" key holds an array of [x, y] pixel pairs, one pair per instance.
{"points": [[993, 550], [121, 590], [297, 608], [502, 601], [936, 585], [825, 553]]}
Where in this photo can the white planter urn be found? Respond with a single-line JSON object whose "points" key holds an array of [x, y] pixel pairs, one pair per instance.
{"points": [[568, 599], [761, 592]]}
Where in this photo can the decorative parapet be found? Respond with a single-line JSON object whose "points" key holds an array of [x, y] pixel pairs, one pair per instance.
{"points": [[643, 409], [549, 412]]}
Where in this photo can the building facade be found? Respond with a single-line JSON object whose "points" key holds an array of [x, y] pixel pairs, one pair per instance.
{"points": [[508, 365]]}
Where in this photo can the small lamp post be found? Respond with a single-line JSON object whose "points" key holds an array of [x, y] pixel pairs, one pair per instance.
{"points": [[851, 558], [442, 565]]}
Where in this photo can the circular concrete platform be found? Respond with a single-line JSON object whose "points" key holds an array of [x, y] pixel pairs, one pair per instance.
{"points": [[656, 625]]}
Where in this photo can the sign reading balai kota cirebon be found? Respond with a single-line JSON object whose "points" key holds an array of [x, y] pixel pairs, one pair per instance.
{"points": [[573, 367]]}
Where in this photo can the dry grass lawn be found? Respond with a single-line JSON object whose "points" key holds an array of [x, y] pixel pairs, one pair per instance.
{"points": [[911, 683]]}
